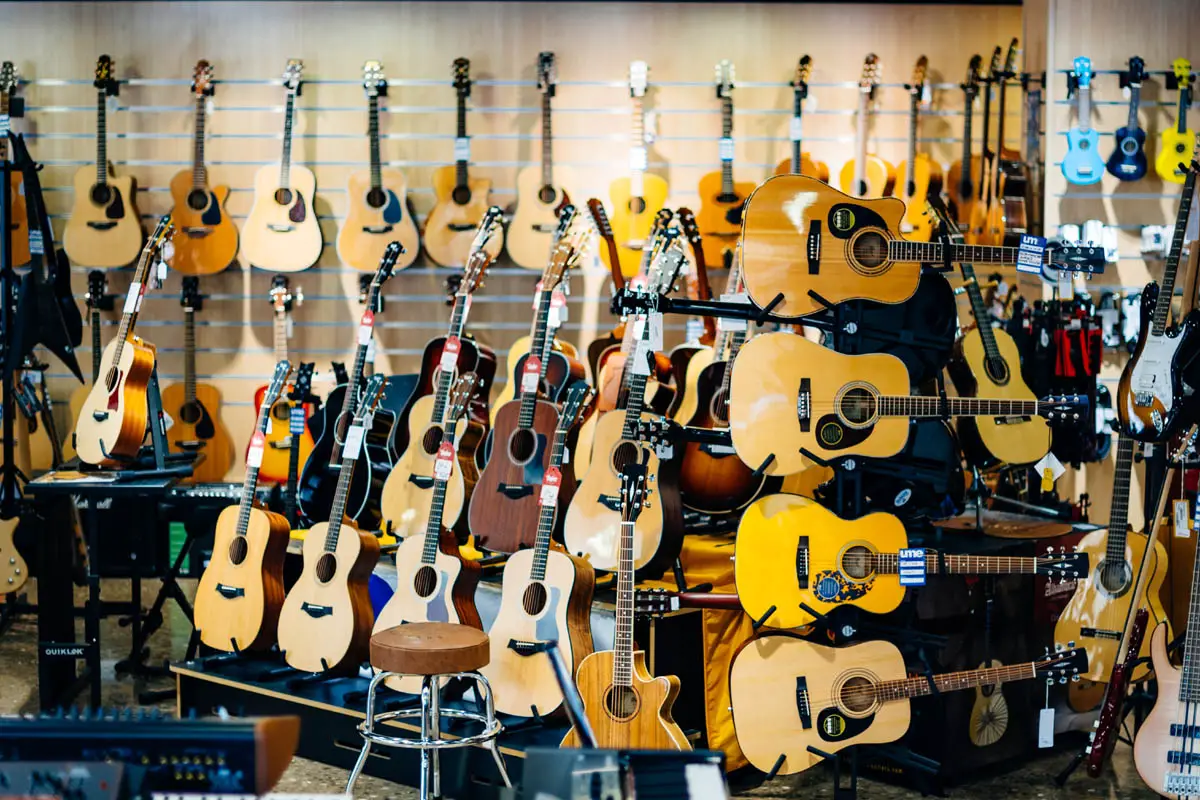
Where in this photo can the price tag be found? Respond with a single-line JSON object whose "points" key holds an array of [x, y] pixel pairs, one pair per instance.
{"points": [[1180, 507], [637, 159], [1196, 517], [168, 420], [654, 330], [112, 102], [210, 106], [537, 295], [370, 351], [450, 352], [365, 326], [444, 464], [462, 148], [254, 455], [795, 129], [35, 242], [726, 148], [5, 124], [354, 440], [641, 358], [466, 304], [550, 483], [1046, 728], [35, 377], [1049, 468], [912, 566], [558, 308], [296, 420], [926, 95], [270, 425], [133, 299], [1031, 253], [664, 450], [168, 250], [532, 374]]}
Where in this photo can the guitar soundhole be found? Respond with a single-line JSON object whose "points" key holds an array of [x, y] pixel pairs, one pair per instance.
{"points": [[197, 199], [857, 563], [432, 440], [997, 370], [238, 549], [621, 702], [535, 599], [461, 195], [624, 454], [425, 581], [283, 197], [857, 695], [521, 445], [110, 380], [1179, 148], [1129, 146], [1115, 576], [858, 406], [1084, 144], [869, 253], [101, 194], [637, 204], [281, 412], [326, 567], [547, 194], [720, 407], [190, 413], [376, 198]]}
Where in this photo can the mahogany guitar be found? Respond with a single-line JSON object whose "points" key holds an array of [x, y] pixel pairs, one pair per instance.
{"points": [[18, 215], [721, 199], [277, 455], [1103, 740], [867, 175], [800, 162]]}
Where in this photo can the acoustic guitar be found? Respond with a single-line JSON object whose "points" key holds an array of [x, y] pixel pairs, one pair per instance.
{"points": [[1007, 190], [196, 407], [112, 421], [800, 162], [97, 299], [721, 199], [867, 175], [977, 213], [282, 233], [919, 176], [377, 209], [638, 198], [325, 625], [104, 229], [793, 552], [546, 597], [626, 706], [1180, 140], [1128, 161], [241, 592], [18, 216], [205, 240], [837, 697], [462, 201], [277, 454], [689, 358], [961, 190], [1082, 164]]}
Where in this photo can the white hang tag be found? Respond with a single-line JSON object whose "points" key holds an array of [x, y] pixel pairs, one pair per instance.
{"points": [[1126, 93], [35, 242], [133, 299], [112, 103], [566, 457], [926, 95], [1181, 518], [637, 159], [912, 566], [254, 455], [1051, 463], [796, 129], [726, 148], [210, 105], [532, 373], [550, 483], [296, 420], [161, 271], [462, 148], [270, 424], [558, 307], [654, 330], [35, 377], [168, 250], [1046, 728], [365, 326], [692, 329], [5, 124], [354, 440], [168, 420], [289, 326], [639, 325], [641, 360], [450, 350], [664, 450], [444, 464], [371, 350]]}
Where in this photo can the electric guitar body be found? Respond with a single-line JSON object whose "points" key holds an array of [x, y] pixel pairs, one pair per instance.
{"points": [[632, 218], [644, 722], [105, 229], [206, 239], [451, 225], [13, 570], [114, 417], [282, 233], [1160, 740], [376, 216], [1150, 395]]}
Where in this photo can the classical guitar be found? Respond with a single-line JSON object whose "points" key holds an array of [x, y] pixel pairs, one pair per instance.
{"points": [[97, 299], [1082, 164], [867, 175], [540, 191], [325, 625], [18, 239], [282, 233], [1128, 160], [919, 175], [408, 492], [434, 583], [1151, 396], [721, 199], [377, 208], [1007, 171], [791, 696], [105, 229], [800, 162], [793, 553], [205, 240], [196, 407], [627, 707], [241, 592], [462, 201], [546, 597], [961, 192], [112, 421], [1177, 142], [843, 248], [789, 394], [977, 213], [638, 198], [299, 399], [277, 454]]}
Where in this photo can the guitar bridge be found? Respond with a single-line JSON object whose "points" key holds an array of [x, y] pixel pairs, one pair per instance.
{"points": [[460, 227], [544, 228], [377, 229], [102, 226], [514, 491], [230, 592], [1182, 784], [316, 612], [1100, 633], [198, 232], [804, 405], [814, 247], [281, 228], [802, 706], [802, 562], [421, 481], [281, 444]]}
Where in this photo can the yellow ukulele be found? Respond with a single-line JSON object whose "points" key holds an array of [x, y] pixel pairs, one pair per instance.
{"points": [[920, 175], [867, 175], [721, 200], [1180, 141]]}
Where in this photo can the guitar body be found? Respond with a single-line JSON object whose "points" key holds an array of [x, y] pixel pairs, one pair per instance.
{"points": [[557, 608], [781, 217], [719, 227], [115, 421], [926, 179], [1158, 737], [989, 713], [199, 423], [685, 405], [105, 229], [651, 725], [276, 449], [778, 533], [763, 686], [450, 226], [559, 372], [961, 192], [989, 440], [241, 592], [1150, 395], [1095, 616], [325, 625], [13, 570], [373, 220], [714, 482], [19, 220], [473, 356], [205, 238], [518, 351], [1128, 161], [282, 233], [1082, 164], [532, 228], [1176, 149], [632, 219], [813, 169], [880, 178]]}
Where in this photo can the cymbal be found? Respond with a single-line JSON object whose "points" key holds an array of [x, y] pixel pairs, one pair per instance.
{"points": [[1007, 525]]}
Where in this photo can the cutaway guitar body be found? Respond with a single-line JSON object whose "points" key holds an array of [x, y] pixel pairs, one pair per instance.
{"points": [[112, 422], [198, 426], [205, 238], [636, 717], [105, 229]]}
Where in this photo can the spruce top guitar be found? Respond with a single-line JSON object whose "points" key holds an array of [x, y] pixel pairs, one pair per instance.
{"points": [[1177, 142], [277, 455], [1128, 161], [377, 210], [105, 229], [1082, 163], [205, 240], [960, 188], [800, 162], [97, 299], [18, 239], [867, 175], [282, 233], [721, 199], [919, 176]]}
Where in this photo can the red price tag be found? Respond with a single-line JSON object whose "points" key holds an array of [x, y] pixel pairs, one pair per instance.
{"points": [[550, 483], [450, 351], [531, 374], [365, 326], [444, 464], [254, 455], [558, 299]]}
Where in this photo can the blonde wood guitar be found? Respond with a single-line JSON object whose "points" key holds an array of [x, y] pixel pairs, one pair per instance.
{"points": [[13, 570], [721, 198], [867, 175], [18, 215], [1165, 744], [918, 176]]}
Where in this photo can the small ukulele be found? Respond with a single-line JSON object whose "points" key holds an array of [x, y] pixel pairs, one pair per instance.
{"points": [[1082, 164], [1179, 140], [1128, 160]]}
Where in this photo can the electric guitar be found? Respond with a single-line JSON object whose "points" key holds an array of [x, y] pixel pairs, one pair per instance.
{"points": [[377, 210], [241, 592], [1128, 161], [205, 240], [790, 696], [1177, 142], [462, 201], [325, 625], [919, 176], [113, 419], [867, 175], [105, 229], [277, 455], [1103, 739], [196, 407], [1082, 164], [18, 217], [546, 596], [800, 162], [636, 199], [282, 233], [961, 191], [626, 706], [721, 199]]}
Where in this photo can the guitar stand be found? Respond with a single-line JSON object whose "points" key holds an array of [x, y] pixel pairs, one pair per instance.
{"points": [[681, 579], [572, 701]]}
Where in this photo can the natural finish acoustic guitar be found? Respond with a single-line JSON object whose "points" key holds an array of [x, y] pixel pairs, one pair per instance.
{"points": [[277, 454], [282, 233], [97, 299], [867, 175], [1005, 165], [961, 189], [721, 198], [241, 592], [800, 162], [377, 208], [1179, 140], [919, 176], [18, 215], [105, 229]]}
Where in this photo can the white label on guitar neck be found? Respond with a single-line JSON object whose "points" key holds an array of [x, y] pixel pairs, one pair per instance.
{"points": [[796, 129], [443, 465], [133, 299], [532, 374], [692, 329], [270, 424], [912, 566], [1046, 728], [1050, 465], [637, 160], [354, 440], [210, 106], [1181, 519], [112, 103], [641, 358], [462, 148], [1031, 253], [654, 330], [296, 420], [168, 251], [450, 352], [365, 326], [726, 148], [35, 243], [370, 359], [4, 124], [558, 309], [254, 455], [550, 483]]}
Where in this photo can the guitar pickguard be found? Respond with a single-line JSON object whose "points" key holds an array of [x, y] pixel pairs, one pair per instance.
{"points": [[533, 469], [832, 586], [115, 209], [437, 607], [834, 726], [298, 211], [546, 628], [833, 434], [1152, 374], [212, 214], [393, 212], [846, 218]]}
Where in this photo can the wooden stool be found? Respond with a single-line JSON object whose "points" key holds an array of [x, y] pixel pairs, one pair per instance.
{"points": [[434, 651]]}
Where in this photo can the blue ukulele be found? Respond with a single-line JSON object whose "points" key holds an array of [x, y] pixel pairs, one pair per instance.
{"points": [[1082, 163], [1128, 161]]}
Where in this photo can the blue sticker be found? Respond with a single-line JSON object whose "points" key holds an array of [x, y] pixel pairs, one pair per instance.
{"points": [[912, 566], [1031, 253], [296, 420]]}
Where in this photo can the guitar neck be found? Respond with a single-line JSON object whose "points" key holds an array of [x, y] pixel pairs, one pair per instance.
{"points": [[1135, 99], [460, 167], [623, 634], [1085, 108], [437, 505], [285, 162], [373, 135], [1189, 684], [280, 331], [981, 188], [951, 681], [965, 173], [889, 564], [101, 137], [337, 510], [4, 104], [189, 354], [727, 133], [1002, 88], [250, 481], [1162, 306], [983, 317], [928, 406], [1185, 100], [863, 125], [289, 496], [547, 513], [1118, 518], [547, 143], [797, 110], [538, 348], [446, 376], [199, 172], [97, 345], [637, 144], [349, 404], [129, 318], [904, 250], [914, 112]]}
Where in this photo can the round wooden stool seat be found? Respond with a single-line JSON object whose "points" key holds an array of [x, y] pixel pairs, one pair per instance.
{"points": [[430, 648]]}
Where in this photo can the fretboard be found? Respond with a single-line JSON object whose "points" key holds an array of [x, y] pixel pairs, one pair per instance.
{"points": [[1162, 306], [97, 345], [537, 348], [910, 185], [337, 510], [983, 317], [199, 173], [623, 635], [446, 377], [889, 564], [289, 495], [101, 137], [460, 167], [934, 252], [860, 163], [929, 406], [189, 354], [547, 143], [129, 318], [1002, 88], [965, 189], [285, 162], [547, 514], [280, 335], [349, 404], [951, 681], [797, 110], [373, 135], [637, 141], [727, 133], [1135, 98], [4, 103], [437, 505], [1085, 108], [1118, 515], [1185, 100], [1189, 683], [981, 187]]}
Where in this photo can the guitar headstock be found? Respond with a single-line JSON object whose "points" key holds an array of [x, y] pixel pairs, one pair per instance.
{"points": [[302, 386], [483, 234], [1182, 68], [600, 218], [639, 76], [282, 299], [97, 288], [460, 397], [202, 79], [920, 73], [971, 85], [687, 224], [462, 78], [1010, 60], [566, 218], [1064, 664], [1063, 407], [723, 78], [656, 431], [275, 388], [547, 73], [1063, 564], [655, 602], [8, 78], [1078, 258], [563, 258], [190, 297], [633, 486], [292, 75], [579, 394], [163, 230], [872, 73], [106, 79], [994, 65], [368, 401], [667, 263], [803, 73], [374, 81], [1082, 67], [1137, 71]]}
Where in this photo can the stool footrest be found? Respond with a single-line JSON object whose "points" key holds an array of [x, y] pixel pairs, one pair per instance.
{"points": [[489, 732]]}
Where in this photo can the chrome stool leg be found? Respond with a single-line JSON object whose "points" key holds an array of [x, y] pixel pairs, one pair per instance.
{"points": [[435, 724], [369, 728], [481, 683], [426, 756]]}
